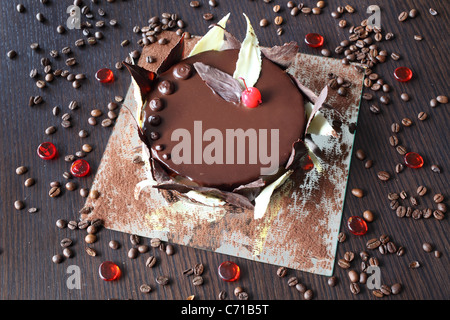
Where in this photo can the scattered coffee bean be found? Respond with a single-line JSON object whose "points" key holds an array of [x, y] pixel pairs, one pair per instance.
{"points": [[57, 258], [359, 193], [383, 175], [162, 280], [421, 191], [198, 269]]}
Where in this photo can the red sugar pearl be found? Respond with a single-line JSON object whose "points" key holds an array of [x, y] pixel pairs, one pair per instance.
{"points": [[413, 160], [229, 271], [47, 151], [80, 168], [357, 225], [104, 75], [109, 271], [307, 164], [314, 40], [403, 74]]}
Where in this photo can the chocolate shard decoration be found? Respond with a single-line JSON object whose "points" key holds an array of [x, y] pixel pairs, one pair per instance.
{"points": [[229, 197], [221, 83], [299, 150], [317, 105], [313, 147], [231, 41], [282, 55], [143, 78], [175, 55], [252, 189]]}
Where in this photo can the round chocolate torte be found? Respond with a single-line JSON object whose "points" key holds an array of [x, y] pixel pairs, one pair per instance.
{"points": [[195, 134]]}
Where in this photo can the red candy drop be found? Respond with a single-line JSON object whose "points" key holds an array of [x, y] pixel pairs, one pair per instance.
{"points": [[47, 151], [104, 75], [314, 40], [229, 271], [80, 168], [413, 160], [403, 74], [307, 164], [109, 271], [357, 225]]}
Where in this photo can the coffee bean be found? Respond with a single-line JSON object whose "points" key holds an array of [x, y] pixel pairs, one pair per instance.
{"points": [[57, 258], [438, 198], [353, 276], [359, 193], [400, 252], [91, 251], [396, 288], [435, 168], [364, 255], [281, 272], [155, 242], [399, 167], [413, 201], [403, 16], [66, 242], [401, 211], [145, 288], [373, 243], [368, 215], [407, 122], [383, 175], [133, 253], [341, 237], [222, 295], [401, 150], [198, 269], [438, 215], [374, 109], [414, 264], [422, 116], [395, 127], [421, 191], [54, 192], [427, 213], [442, 207], [308, 295], [21, 170], [368, 164], [150, 262], [393, 140], [427, 247], [197, 281], [19, 205], [417, 214], [332, 281], [344, 264], [360, 154], [162, 280], [433, 12], [292, 281], [354, 288]]}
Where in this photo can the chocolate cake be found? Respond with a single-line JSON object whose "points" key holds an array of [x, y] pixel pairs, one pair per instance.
{"points": [[200, 135]]}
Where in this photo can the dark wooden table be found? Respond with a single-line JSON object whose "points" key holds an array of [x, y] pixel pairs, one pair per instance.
{"points": [[28, 241]]}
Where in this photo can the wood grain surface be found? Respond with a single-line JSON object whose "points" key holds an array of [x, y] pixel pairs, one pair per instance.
{"points": [[28, 241]]}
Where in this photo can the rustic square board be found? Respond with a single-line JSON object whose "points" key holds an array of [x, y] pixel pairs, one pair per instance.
{"points": [[301, 226]]}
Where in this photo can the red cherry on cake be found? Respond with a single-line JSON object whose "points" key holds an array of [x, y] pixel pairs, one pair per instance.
{"points": [[251, 97]]}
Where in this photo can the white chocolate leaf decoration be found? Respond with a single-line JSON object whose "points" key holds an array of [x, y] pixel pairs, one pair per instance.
{"points": [[248, 65], [319, 124], [263, 199], [213, 39]]}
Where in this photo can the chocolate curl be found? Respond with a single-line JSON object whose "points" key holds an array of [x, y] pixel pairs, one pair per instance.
{"points": [[282, 55], [175, 55], [143, 78], [299, 150], [229, 197]]}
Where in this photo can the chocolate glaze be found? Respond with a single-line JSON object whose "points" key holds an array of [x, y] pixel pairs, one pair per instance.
{"points": [[191, 100]]}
